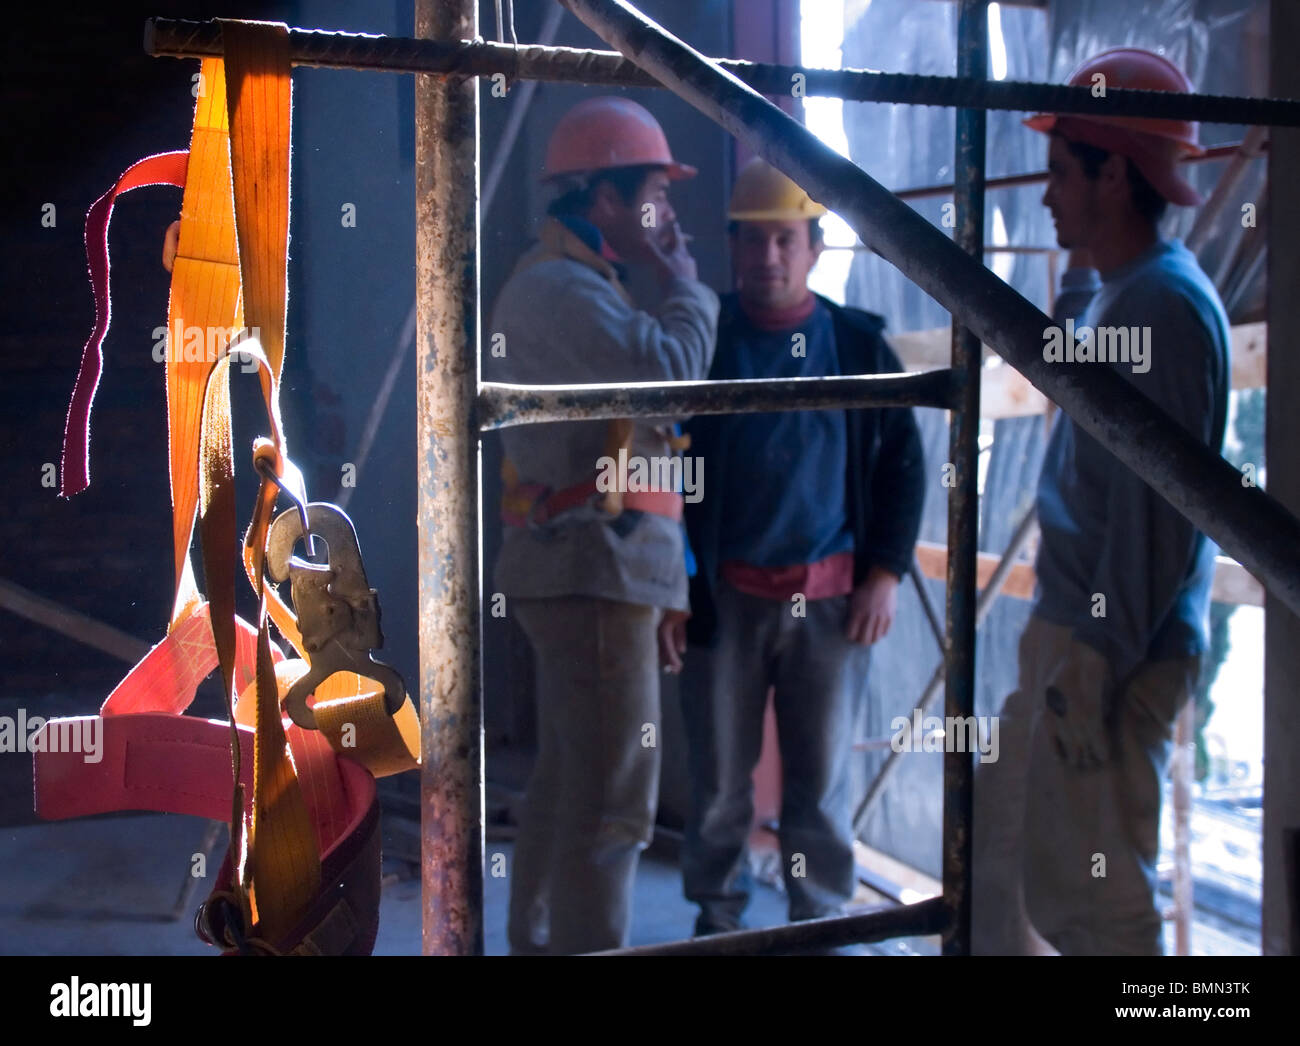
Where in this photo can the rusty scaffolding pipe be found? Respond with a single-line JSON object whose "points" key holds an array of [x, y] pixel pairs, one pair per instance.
{"points": [[963, 496], [178, 38], [1245, 522], [447, 462], [501, 405], [922, 919]]}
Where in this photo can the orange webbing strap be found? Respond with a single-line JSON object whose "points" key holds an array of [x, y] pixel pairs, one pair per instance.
{"points": [[280, 873], [279, 866], [202, 313], [349, 708], [260, 96]]}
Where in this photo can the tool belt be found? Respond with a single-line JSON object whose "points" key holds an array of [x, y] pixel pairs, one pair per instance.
{"points": [[302, 872]]}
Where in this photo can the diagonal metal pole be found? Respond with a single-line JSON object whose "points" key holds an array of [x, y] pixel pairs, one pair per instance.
{"points": [[447, 463], [923, 594], [514, 122], [1244, 521], [988, 596]]}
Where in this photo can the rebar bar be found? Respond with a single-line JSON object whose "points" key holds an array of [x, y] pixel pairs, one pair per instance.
{"points": [[922, 919], [178, 38]]}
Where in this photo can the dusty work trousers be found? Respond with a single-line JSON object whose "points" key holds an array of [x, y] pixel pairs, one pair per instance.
{"points": [[1071, 854], [816, 675], [590, 805]]}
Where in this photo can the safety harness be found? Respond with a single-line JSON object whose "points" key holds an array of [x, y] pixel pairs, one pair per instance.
{"points": [[535, 504], [302, 870]]}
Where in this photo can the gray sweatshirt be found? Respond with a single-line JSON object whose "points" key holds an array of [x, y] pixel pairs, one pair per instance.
{"points": [[566, 323]]}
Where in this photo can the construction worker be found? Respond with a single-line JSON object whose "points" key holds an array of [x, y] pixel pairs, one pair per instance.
{"points": [[587, 571], [801, 541], [1113, 648]]}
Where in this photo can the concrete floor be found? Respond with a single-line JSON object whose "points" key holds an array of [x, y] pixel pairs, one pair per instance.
{"points": [[106, 886]]}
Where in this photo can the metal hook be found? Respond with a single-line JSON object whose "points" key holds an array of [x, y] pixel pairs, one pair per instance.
{"points": [[338, 611], [264, 469]]}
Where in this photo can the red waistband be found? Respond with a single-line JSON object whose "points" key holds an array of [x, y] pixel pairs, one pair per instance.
{"points": [[832, 576], [533, 502]]}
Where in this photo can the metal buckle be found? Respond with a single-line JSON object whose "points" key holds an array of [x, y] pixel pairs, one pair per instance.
{"points": [[338, 612]]}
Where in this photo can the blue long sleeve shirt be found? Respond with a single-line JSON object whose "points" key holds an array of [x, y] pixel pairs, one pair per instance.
{"points": [[1104, 531]]}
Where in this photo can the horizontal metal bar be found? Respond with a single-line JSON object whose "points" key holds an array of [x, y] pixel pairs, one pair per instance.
{"points": [[989, 248], [922, 919], [1246, 522], [177, 38], [501, 406]]}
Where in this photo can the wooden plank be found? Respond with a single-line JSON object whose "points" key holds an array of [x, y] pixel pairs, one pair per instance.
{"points": [[71, 623], [1232, 583], [934, 564]]}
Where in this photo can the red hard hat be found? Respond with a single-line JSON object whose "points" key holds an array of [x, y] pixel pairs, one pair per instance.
{"points": [[601, 133], [1155, 145]]}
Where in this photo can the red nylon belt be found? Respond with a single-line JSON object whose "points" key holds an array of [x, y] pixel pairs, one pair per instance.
{"points": [[530, 504]]}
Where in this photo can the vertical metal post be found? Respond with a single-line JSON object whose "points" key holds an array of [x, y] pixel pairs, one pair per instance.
{"points": [[447, 374], [963, 501]]}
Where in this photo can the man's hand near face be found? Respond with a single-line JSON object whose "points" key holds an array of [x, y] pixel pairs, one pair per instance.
{"points": [[872, 607], [666, 249]]}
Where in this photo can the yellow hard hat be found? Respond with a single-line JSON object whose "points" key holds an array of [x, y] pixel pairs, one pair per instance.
{"points": [[762, 193]]}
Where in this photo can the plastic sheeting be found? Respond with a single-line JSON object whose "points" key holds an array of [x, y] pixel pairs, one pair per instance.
{"points": [[1220, 45]]}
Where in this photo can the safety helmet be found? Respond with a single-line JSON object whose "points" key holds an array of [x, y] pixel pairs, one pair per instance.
{"points": [[602, 133], [762, 193], [1155, 145]]}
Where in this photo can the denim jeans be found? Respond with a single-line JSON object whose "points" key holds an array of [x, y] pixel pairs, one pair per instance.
{"points": [[590, 806], [817, 675]]}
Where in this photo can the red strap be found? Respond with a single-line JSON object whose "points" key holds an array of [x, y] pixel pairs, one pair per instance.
{"points": [[163, 169], [657, 502], [165, 678], [562, 501], [181, 765]]}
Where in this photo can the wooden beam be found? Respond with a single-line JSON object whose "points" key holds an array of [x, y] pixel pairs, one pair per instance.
{"points": [[71, 623], [1232, 583]]}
